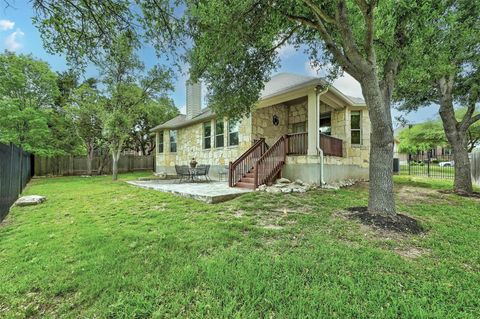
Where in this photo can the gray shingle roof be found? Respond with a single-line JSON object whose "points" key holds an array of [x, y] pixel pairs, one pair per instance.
{"points": [[278, 84]]}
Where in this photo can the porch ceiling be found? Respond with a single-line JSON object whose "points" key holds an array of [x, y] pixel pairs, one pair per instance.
{"points": [[297, 97]]}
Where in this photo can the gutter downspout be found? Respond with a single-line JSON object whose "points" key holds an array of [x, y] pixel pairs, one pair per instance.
{"points": [[319, 150]]}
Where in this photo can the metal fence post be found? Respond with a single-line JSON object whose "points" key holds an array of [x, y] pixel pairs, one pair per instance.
{"points": [[428, 164]]}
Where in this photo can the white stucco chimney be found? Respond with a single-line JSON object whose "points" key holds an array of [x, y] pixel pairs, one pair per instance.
{"points": [[194, 99]]}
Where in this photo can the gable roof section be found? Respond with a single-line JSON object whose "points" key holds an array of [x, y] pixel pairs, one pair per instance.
{"points": [[181, 120], [280, 83]]}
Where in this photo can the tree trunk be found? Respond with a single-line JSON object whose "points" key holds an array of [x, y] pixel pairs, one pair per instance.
{"points": [[90, 152], [381, 198], [463, 174], [115, 158], [457, 137]]}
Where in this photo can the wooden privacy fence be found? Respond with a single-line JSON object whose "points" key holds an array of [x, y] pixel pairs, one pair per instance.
{"points": [[15, 172], [77, 165]]}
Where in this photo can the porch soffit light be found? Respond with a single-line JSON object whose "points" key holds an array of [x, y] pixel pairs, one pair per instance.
{"points": [[275, 120]]}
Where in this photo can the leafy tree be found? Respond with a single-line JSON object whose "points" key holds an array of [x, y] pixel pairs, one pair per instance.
{"points": [[147, 115], [85, 112], [443, 68], [235, 50], [28, 91], [421, 137], [127, 89]]}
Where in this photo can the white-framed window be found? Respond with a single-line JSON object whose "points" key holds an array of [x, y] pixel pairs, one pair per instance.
{"points": [[219, 133], [160, 142], [207, 135], [356, 127], [233, 127], [325, 123], [173, 141]]}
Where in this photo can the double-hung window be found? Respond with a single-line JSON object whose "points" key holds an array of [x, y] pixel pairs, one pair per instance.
{"points": [[207, 135], [355, 127], [233, 127], [160, 142], [173, 141], [219, 128], [325, 124]]}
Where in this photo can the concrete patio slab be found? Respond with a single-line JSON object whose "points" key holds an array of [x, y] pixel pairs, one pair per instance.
{"points": [[211, 192]]}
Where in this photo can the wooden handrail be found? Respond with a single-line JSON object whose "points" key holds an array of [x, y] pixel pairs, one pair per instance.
{"points": [[331, 145], [242, 165], [271, 162], [297, 143]]}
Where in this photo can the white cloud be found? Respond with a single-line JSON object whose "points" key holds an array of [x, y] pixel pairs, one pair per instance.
{"points": [[286, 51], [6, 25], [344, 83], [12, 41]]}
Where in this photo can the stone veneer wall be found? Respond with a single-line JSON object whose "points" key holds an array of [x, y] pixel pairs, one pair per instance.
{"points": [[262, 125], [190, 144], [289, 115]]}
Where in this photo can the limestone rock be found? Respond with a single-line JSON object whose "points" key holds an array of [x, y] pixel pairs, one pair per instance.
{"points": [[299, 182], [30, 200], [161, 175], [273, 190], [283, 181]]}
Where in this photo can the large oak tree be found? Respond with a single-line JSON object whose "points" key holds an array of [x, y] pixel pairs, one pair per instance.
{"points": [[235, 50]]}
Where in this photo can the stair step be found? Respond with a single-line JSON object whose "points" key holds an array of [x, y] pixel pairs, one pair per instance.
{"points": [[245, 185], [250, 175], [247, 180]]}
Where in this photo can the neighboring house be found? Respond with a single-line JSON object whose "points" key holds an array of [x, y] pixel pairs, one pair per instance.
{"points": [[438, 153], [301, 128]]}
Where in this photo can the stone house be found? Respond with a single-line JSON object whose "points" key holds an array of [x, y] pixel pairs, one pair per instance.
{"points": [[301, 128]]}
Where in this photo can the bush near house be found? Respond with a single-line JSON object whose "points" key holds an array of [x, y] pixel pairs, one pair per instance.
{"points": [[98, 248]]}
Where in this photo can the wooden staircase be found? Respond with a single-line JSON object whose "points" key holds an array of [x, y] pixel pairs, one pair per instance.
{"points": [[259, 164], [248, 180]]}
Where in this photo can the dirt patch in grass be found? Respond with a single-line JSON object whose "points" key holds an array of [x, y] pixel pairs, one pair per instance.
{"points": [[475, 195], [399, 223], [411, 252], [408, 194]]}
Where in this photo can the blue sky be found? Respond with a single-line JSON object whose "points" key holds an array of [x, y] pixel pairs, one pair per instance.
{"points": [[18, 34]]}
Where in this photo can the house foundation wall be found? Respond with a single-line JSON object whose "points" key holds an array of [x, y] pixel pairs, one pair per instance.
{"points": [[307, 168]]}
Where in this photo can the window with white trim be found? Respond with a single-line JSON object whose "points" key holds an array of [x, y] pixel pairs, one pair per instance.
{"points": [[356, 127], [219, 130], [160, 142], [233, 127], [173, 141], [207, 135]]}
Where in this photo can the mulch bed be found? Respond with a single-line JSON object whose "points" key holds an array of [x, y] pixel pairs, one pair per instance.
{"points": [[399, 223]]}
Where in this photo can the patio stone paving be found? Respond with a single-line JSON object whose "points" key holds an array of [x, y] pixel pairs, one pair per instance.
{"points": [[209, 192]]}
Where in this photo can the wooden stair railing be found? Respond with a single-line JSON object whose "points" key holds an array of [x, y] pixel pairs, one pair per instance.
{"points": [[246, 162], [297, 143], [271, 162], [331, 145]]}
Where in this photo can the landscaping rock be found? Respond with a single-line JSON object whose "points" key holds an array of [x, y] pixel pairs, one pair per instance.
{"points": [[283, 181], [273, 190], [299, 182], [262, 188], [30, 200], [161, 175]]}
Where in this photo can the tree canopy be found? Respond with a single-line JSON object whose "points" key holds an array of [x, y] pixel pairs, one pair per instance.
{"points": [[28, 91]]}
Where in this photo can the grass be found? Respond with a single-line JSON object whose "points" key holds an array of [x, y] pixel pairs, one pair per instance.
{"points": [[99, 248]]}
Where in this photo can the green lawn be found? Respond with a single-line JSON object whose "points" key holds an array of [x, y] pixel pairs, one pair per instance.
{"points": [[99, 248]]}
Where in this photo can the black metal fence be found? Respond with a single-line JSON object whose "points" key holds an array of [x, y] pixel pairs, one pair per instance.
{"points": [[427, 164], [15, 172]]}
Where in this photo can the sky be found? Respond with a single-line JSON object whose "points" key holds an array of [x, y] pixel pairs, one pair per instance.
{"points": [[18, 34]]}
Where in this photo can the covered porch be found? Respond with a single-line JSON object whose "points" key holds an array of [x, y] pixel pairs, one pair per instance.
{"points": [[310, 120]]}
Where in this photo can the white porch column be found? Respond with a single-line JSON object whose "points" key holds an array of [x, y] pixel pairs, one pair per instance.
{"points": [[312, 123]]}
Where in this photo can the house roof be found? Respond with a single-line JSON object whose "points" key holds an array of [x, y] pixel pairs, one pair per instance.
{"points": [[280, 83]]}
